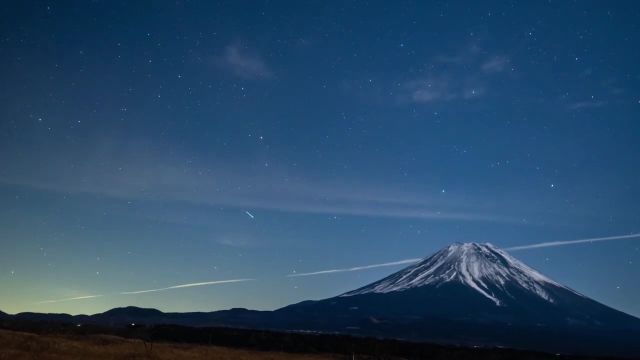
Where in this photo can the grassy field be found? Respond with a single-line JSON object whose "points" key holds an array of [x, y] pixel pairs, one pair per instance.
{"points": [[19, 345]]}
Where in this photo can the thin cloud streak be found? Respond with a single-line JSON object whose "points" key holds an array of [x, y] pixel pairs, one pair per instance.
{"points": [[69, 299], [288, 200], [571, 242], [181, 286], [134, 171], [357, 268]]}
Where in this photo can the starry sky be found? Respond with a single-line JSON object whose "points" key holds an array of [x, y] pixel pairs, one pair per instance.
{"points": [[153, 144]]}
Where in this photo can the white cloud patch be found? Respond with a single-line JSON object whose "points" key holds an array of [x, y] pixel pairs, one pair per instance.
{"points": [[242, 62], [441, 88], [495, 64]]}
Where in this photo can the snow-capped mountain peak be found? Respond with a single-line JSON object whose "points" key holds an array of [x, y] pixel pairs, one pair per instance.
{"points": [[482, 267]]}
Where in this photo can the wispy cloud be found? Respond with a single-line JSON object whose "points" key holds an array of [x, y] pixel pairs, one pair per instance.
{"points": [[357, 268], [243, 63], [464, 75], [69, 299], [182, 286], [580, 105], [235, 239], [495, 64], [572, 242], [442, 87], [431, 89]]}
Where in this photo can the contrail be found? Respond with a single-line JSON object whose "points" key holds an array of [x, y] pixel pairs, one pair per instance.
{"points": [[571, 242], [185, 286], [146, 291], [69, 299], [249, 214], [357, 268], [513, 248]]}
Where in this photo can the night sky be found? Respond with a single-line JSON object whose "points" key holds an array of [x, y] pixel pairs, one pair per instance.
{"points": [[148, 144]]}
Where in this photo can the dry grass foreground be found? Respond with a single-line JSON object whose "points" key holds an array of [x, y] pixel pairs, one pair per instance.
{"points": [[18, 345]]}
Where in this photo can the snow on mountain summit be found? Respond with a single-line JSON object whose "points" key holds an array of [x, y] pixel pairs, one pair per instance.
{"points": [[482, 267]]}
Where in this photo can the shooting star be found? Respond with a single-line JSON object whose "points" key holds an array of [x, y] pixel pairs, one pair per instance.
{"points": [[181, 286], [249, 214], [357, 268], [571, 242], [69, 299]]}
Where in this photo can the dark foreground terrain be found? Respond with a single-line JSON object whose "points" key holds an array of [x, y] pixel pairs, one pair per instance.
{"points": [[37, 340], [20, 345]]}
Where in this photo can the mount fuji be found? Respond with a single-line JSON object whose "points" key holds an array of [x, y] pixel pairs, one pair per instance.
{"points": [[465, 294], [473, 294], [489, 271]]}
